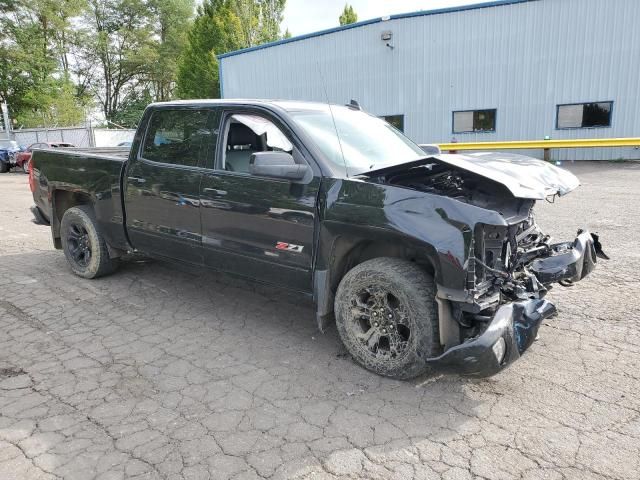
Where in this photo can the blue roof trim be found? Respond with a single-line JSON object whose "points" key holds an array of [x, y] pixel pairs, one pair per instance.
{"points": [[421, 13]]}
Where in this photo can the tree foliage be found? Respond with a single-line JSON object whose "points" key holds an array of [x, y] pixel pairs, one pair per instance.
{"points": [[116, 45], [222, 26], [216, 29], [348, 15], [62, 58], [131, 109], [33, 76], [260, 20], [171, 20]]}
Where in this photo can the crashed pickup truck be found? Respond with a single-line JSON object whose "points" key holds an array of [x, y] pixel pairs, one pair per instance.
{"points": [[424, 262]]}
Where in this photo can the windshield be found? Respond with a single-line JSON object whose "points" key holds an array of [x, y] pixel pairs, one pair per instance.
{"points": [[8, 144], [366, 142]]}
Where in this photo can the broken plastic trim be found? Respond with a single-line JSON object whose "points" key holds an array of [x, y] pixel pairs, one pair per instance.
{"points": [[569, 261], [517, 323]]}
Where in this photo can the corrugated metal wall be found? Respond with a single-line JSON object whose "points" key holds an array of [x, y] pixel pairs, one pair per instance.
{"points": [[522, 59]]}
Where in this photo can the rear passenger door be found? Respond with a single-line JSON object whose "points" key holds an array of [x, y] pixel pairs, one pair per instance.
{"points": [[162, 183]]}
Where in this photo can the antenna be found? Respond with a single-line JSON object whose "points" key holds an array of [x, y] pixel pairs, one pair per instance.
{"points": [[333, 119], [353, 104]]}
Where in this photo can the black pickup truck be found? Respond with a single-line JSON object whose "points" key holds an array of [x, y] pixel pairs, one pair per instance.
{"points": [[426, 262]]}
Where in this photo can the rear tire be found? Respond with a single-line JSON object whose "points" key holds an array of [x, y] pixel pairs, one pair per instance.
{"points": [[387, 318], [25, 166], [83, 244], [4, 167]]}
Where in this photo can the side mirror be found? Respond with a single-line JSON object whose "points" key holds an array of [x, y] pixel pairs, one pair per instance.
{"points": [[276, 165], [430, 149]]}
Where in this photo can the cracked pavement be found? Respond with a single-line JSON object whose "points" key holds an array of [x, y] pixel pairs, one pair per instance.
{"points": [[154, 372]]}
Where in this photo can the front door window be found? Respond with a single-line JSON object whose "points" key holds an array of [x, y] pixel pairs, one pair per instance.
{"points": [[248, 134]]}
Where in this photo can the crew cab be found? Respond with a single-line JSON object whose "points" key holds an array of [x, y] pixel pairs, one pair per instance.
{"points": [[425, 262]]}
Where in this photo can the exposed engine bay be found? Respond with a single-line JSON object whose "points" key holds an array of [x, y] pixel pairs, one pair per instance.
{"points": [[444, 180], [458, 184]]}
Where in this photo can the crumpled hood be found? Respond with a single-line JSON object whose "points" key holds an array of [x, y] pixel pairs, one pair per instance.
{"points": [[525, 177]]}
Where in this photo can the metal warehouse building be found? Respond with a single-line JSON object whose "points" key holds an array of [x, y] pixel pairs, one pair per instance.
{"points": [[505, 70]]}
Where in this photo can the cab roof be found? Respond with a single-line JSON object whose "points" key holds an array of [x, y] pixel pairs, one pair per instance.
{"points": [[287, 105]]}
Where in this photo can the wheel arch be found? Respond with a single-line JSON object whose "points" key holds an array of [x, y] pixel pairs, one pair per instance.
{"points": [[61, 201], [346, 252]]}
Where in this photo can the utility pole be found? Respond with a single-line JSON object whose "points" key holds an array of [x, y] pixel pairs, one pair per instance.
{"points": [[6, 130]]}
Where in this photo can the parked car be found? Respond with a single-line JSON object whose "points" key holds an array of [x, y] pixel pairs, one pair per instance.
{"points": [[125, 144], [23, 158], [8, 151], [426, 262]]}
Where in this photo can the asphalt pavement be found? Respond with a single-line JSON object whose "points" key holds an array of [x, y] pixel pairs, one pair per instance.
{"points": [[159, 373]]}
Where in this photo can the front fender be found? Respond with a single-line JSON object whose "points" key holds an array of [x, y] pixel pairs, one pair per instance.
{"points": [[384, 220], [438, 228]]}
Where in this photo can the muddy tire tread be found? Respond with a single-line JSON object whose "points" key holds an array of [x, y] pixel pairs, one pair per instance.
{"points": [[418, 289], [101, 263]]}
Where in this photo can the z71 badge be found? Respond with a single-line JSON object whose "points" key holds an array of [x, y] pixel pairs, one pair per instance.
{"points": [[290, 247]]}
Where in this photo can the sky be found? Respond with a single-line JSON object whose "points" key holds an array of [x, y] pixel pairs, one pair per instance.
{"points": [[306, 16]]}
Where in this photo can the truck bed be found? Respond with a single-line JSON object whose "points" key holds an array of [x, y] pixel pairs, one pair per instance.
{"points": [[114, 153], [92, 174]]}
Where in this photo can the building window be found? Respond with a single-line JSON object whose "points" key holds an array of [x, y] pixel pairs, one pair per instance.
{"points": [[395, 120], [470, 121], [584, 115]]}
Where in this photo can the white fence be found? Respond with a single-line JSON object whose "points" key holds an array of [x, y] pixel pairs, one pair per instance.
{"points": [[79, 136]]}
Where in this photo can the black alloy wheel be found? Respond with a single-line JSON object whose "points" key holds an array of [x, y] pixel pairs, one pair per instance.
{"points": [[79, 244]]}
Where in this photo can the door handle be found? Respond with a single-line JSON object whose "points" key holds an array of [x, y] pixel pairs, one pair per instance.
{"points": [[215, 191], [137, 179]]}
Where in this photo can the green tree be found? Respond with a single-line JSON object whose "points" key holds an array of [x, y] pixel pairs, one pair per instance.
{"points": [[221, 26], [215, 30], [113, 58], [260, 20], [15, 79], [60, 58], [171, 20], [348, 15], [130, 111], [34, 79], [55, 104]]}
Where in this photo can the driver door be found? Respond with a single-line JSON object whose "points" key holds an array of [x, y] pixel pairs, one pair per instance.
{"points": [[253, 226]]}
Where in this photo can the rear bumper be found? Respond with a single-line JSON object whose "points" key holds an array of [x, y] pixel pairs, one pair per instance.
{"points": [[516, 324], [39, 218]]}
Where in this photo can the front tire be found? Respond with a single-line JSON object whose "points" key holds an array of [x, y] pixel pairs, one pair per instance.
{"points": [[4, 167], [25, 166], [83, 244], [387, 318]]}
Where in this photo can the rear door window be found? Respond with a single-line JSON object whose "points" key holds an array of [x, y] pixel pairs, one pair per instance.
{"points": [[177, 137]]}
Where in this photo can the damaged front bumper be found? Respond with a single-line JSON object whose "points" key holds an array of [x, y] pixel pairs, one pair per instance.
{"points": [[569, 261], [512, 330], [514, 326]]}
